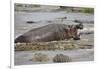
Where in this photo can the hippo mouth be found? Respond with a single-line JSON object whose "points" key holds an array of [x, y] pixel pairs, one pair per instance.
{"points": [[77, 37]]}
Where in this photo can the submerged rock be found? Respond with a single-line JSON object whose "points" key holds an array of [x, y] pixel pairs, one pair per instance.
{"points": [[61, 58], [40, 57]]}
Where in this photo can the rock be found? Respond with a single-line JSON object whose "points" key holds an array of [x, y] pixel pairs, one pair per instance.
{"points": [[30, 22], [61, 58], [39, 57]]}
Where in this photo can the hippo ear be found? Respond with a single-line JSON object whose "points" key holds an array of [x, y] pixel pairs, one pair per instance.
{"points": [[79, 26]]}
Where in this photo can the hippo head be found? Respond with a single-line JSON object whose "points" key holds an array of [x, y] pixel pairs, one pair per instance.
{"points": [[79, 26], [72, 31]]}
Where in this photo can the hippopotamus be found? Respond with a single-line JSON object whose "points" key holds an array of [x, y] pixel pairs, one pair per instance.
{"points": [[50, 32]]}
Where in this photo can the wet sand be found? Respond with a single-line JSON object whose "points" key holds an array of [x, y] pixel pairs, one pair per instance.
{"points": [[23, 57]]}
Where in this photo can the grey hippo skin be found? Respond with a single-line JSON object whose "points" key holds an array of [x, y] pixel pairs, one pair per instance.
{"points": [[50, 32]]}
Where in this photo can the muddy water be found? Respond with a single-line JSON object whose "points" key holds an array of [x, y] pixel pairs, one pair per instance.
{"points": [[44, 18], [24, 57]]}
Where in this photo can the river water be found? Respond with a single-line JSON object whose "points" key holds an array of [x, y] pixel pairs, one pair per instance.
{"points": [[44, 18]]}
